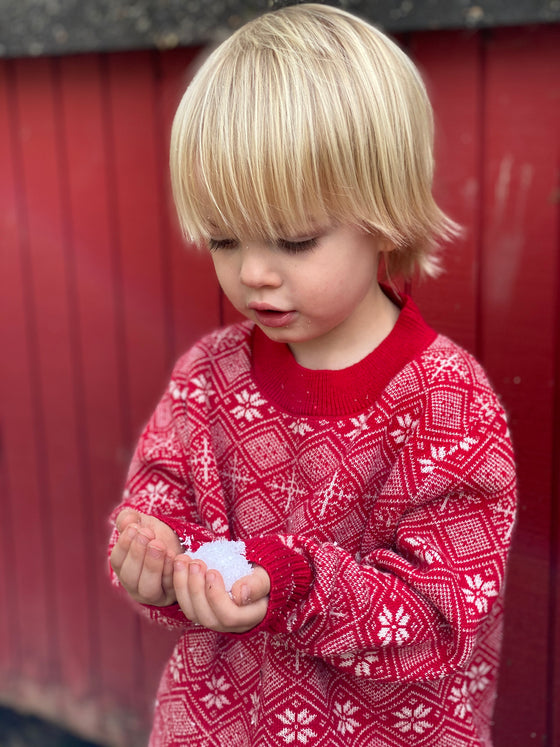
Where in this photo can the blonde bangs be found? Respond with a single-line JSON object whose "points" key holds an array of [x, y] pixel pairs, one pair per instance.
{"points": [[248, 159], [308, 115]]}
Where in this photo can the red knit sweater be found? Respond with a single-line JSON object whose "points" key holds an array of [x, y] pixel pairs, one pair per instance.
{"points": [[379, 498]]}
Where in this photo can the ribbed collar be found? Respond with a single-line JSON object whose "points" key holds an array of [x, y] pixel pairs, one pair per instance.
{"points": [[349, 391]]}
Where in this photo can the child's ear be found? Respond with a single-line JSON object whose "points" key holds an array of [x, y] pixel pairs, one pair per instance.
{"points": [[384, 244]]}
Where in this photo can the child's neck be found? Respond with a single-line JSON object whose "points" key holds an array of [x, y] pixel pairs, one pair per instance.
{"points": [[351, 342]]}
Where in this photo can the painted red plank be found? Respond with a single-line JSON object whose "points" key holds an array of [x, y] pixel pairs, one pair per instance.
{"points": [[102, 379], [133, 101], [450, 302], [50, 282], [194, 294], [554, 671], [519, 288], [30, 576], [14, 374], [144, 275]]}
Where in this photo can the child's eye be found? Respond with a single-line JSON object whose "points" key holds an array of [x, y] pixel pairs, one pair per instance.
{"points": [[215, 244], [294, 247]]}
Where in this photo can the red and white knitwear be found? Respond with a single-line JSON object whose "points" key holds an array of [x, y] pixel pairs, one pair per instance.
{"points": [[379, 498]]}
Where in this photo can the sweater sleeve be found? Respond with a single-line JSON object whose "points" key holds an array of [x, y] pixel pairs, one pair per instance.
{"points": [[159, 483], [413, 605]]}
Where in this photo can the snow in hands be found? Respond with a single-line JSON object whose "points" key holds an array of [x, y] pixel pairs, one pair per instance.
{"points": [[228, 558]]}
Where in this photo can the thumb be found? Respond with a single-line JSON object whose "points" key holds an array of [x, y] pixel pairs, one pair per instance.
{"points": [[252, 588], [126, 517]]}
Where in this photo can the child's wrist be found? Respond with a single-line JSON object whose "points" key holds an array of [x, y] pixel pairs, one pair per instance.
{"points": [[290, 576]]}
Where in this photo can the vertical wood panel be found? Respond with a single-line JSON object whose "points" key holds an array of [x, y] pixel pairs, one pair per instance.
{"points": [[31, 570], [194, 293], [519, 288], [133, 104], [103, 459], [554, 639], [14, 374], [450, 302], [143, 335], [61, 489]]}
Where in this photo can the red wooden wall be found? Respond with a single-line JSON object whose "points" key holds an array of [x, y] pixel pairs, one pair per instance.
{"points": [[98, 297]]}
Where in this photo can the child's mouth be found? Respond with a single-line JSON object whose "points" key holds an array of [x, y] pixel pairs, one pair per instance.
{"points": [[274, 317]]}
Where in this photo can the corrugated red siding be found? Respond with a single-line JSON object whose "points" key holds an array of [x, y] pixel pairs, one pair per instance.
{"points": [[98, 297]]}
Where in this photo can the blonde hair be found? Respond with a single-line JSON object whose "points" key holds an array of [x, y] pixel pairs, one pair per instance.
{"points": [[304, 115]]}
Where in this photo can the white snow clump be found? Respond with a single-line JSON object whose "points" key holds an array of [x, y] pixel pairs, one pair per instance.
{"points": [[228, 558]]}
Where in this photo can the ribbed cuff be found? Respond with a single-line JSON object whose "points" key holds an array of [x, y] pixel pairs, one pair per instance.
{"points": [[172, 615], [290, 579]]}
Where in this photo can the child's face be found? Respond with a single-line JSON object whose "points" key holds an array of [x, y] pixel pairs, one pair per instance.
{"points": [[318, 293]]}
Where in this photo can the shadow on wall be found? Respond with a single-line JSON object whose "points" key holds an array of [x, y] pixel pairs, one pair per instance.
{"points": [[18, 730]]}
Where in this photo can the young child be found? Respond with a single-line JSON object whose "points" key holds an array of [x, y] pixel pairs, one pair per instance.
{"points": [[362, 459]]}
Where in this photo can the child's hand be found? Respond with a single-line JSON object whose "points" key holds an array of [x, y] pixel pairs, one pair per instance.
{"points": [[143, 558], [204, 600]]}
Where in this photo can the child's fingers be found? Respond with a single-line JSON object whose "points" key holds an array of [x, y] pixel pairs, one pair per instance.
{"points": [[198, 581], [181, 586], [150, 583], [251, 588], [167, 575], [126, 517], [230, 616], [120, 550], [204, 600], [131, 568]]}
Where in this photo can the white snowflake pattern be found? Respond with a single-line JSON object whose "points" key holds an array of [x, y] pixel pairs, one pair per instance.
{"points": [[177, 391], [487, 405], [424, 551], [460, 696], [363, 667], [394, 626], [248, 406], [156, 444], [176, 667], [219, 526], [216, 697], [362, 663], [413, 719], [360, 425], [478, 679], [439, 453], [254, 710], [202, 390], [300, 428], [479, 591], [344, 713], [289, 489], [155, 493], [238, 474], [405, 429], [297, 726], [330, 494], [203, 459]]}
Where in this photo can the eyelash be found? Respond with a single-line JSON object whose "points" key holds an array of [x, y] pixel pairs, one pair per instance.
{"points": [[291, 247]]}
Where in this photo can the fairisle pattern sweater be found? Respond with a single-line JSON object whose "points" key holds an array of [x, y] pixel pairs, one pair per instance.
{"points": [[381, 501]]}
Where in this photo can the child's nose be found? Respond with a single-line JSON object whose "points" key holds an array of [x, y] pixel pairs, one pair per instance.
{"points": [[258, 268]]}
